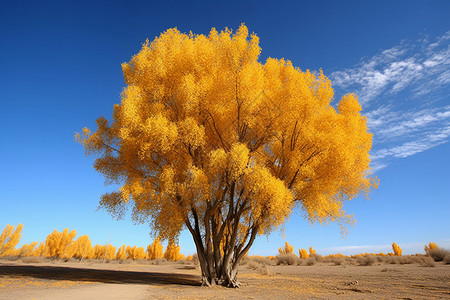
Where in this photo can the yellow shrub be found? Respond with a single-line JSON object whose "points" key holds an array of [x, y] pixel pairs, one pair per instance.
{"points": [[312, 252]]}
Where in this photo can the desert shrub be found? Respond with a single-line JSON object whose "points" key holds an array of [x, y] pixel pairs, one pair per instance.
{"points": [[379, 258], [438, 253], [160, 261], [447, 259], [253, 265], [338, 261], [263, 270], [195, 259], [427, 261], [430, 246], [286, 259], [311, 261], [32, 259], [263, 260], [10, 257], [367, 260]]}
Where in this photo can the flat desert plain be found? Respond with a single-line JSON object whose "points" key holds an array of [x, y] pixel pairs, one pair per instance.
{"points": [[96, 280]]}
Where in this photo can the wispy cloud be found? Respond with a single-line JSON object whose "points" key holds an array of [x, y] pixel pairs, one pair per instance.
{"points": [[405, 92], [419, 65], [408, 248]]}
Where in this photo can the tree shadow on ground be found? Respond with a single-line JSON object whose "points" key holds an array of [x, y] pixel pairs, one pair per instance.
{"points": [[98, 275]]}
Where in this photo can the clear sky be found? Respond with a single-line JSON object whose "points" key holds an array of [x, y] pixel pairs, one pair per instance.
{"points": [[60, 70]]}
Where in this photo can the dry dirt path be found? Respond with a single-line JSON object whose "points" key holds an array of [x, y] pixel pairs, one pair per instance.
{"points": [[58, 280]]}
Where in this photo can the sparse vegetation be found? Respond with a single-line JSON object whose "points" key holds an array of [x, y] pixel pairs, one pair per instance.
{"points": [[64, 246]]}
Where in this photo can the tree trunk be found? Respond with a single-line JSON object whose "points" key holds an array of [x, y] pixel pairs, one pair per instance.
{"points": [[221, 268], [226, 275]]}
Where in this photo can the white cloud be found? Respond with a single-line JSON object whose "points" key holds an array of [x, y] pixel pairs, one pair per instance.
{"points": [[405, 92], [395, 69]]}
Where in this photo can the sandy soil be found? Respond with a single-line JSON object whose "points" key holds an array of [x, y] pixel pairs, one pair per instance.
{"points": [[91, 280]]}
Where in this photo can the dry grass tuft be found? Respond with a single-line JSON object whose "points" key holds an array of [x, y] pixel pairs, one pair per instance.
{"points": [[447, 259], [427, 261], [367, 260], [438, 254], [286, 259], [32, 259], [311, 261]]}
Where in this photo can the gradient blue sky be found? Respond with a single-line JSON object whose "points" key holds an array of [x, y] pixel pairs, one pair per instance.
{"points": [[60, 70]]}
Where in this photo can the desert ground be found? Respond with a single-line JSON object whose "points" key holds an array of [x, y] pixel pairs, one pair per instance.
{"points": [[22, 279]]}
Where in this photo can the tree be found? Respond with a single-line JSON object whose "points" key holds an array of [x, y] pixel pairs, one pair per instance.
{"points": [[287, 249], [60, 244], [303, 253], [155, 250], [397, 250], [209, 139], [172, 252], [9, 239]]}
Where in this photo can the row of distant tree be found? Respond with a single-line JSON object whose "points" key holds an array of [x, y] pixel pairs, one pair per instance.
{"points": [[64, 245]]}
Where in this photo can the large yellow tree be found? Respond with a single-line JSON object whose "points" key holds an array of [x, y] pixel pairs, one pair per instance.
{"points": [[208, 138]]}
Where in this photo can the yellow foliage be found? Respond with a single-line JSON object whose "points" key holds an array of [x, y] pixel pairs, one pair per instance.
{"points": [[57, 242], [312, 252], [430, 246], [206, 133], [100, 251], [303, 253], [197, 108], [40, 250], [83, 248], [287, 249], [337, 255], [9, 239], [135, 253], [27, 250], [172, 252], [189, 257], [397, 250], [121, 253], [155, 250]]}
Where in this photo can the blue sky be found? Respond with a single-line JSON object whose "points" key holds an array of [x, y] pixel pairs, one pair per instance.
{"points": [[60, 70]]}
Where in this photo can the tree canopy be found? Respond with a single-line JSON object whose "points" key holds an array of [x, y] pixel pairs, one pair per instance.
{"points": [[208, 138]]}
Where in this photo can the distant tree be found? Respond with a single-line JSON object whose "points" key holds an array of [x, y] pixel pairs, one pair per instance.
{"points": [[209, 139], [155, 250], [83, 248], [303, 253], [287, 249], [121, 253], [9, 239], [60, 244], [172, 252], [397, 250]]}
